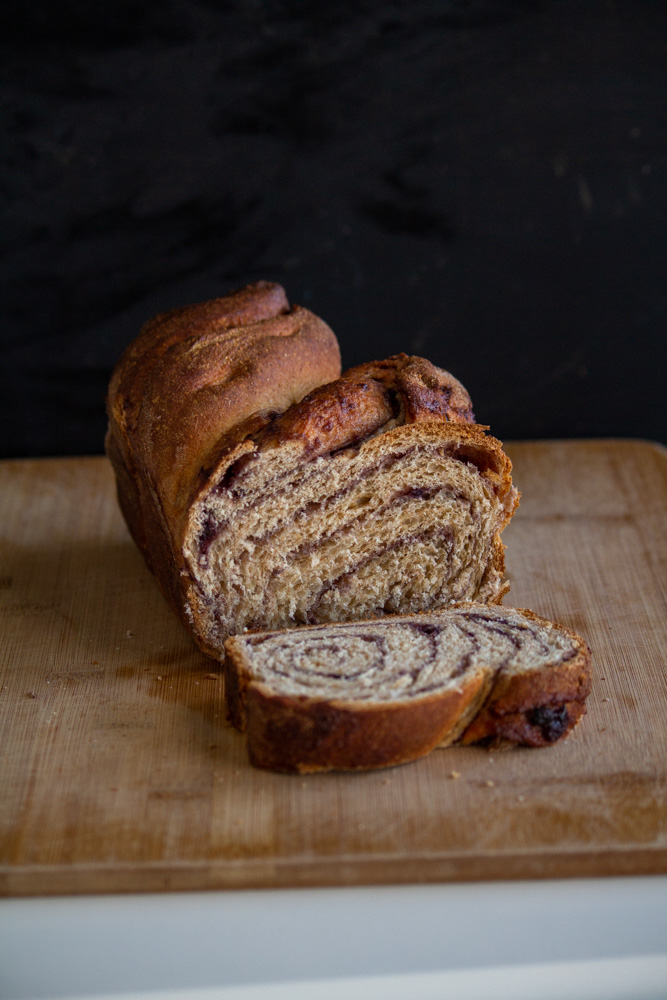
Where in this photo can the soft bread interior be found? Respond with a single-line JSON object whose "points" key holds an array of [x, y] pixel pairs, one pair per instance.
{"points": [[400, 524]]}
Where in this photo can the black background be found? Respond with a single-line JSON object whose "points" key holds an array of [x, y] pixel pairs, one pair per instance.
{"points": [[483, 183]]}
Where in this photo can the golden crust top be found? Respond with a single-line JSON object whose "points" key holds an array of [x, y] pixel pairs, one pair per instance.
{"points": [[195, 373], [368, 399]]}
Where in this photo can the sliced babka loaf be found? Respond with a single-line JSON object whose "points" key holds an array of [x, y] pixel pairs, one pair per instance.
{"points": [[381, 692], [263, 499]]}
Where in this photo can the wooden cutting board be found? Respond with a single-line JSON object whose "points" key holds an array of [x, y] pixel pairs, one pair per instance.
{"points": [[118, 772]]}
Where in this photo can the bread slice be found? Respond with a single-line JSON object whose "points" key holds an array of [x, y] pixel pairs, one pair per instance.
{"points": [[381, 692]]}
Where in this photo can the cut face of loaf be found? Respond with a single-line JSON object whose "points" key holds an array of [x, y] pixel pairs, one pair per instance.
{"points": [[383, 692], [376, 494], [407, 521]]}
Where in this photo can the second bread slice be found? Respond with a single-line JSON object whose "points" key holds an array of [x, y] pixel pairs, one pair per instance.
{"points": [[386, 691]]}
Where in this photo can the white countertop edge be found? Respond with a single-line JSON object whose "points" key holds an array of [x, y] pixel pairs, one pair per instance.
{"points": [[614, 979], [569, 938]]}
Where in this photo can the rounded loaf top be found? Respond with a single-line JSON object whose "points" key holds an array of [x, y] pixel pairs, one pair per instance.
{"points": [[197, 372]]}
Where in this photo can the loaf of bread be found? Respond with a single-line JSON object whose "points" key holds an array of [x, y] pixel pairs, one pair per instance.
{"points": [[386, 691], [267, 492]]}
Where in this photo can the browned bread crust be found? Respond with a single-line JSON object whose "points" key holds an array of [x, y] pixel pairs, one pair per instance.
{"points": [[535, 709], [497, 700], [228, 421]]}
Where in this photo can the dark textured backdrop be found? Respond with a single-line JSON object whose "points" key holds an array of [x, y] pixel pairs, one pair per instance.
{"points": [[480, 182]]}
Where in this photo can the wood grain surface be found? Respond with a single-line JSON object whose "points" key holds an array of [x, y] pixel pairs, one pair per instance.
{"points": [[118, 772]]}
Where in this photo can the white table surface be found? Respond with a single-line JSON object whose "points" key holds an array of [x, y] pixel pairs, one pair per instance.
{"points": [[579, 938]]}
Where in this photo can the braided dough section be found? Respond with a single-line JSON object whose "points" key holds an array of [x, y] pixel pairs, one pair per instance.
{"points": [[195, 381]]}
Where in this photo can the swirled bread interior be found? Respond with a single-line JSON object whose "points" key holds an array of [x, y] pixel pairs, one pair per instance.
{"points": [[386, 691], [406, 522]]}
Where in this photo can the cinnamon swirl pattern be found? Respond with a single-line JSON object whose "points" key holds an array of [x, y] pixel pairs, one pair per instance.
{"points": [[386, 691], [400, 524]]}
